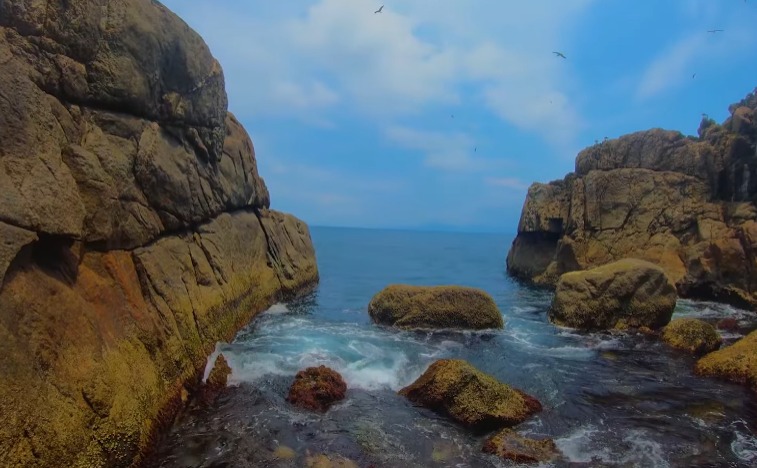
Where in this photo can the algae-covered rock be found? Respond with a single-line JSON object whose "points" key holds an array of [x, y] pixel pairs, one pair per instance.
{"points": [[317, 388], [737, 363], [469, 396], [220, 373], [329, 461], [509, 445], [622, 294], [435, 307], [691, 335], [217, 380]]}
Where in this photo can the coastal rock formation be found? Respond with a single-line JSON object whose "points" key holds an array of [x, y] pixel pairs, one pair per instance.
{"points": [[684, 203], [317, 388], [737, 363], [474, 399], [509, 445], [622, 294], [135, 230], [691, 335], [435, 307]]}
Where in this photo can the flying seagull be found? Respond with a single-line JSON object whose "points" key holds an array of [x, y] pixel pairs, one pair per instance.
{"points": [[560, 54], [379, 10], [713, 31], [693, 76]]}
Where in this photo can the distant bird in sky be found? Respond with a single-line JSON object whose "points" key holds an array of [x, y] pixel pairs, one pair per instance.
{"points": [[560, 54], [379, 10], [452, 115], [694, 75], [713, 31], [474, 149]]}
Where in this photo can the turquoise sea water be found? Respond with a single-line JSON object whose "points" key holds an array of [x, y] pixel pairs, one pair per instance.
{"points": [[609, 400]]}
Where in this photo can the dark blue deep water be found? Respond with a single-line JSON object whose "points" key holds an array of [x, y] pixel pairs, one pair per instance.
{"points": [[609, 400]]}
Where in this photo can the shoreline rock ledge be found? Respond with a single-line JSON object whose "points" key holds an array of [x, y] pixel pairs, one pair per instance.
{"points": [[684, 203], [136, 231]]}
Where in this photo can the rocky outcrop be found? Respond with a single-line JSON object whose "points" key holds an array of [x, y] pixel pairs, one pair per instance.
{"points": [[684, 203], [691, 335], [134, 227], [509, 445], [317, 388], [407, 306], [472, 398], [627, 293]]}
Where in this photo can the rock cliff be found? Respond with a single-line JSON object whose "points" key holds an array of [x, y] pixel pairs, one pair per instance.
{"points": [[684, 203], [135, 231]]}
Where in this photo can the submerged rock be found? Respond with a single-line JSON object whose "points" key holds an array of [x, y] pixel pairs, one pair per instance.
{"points": [[728, 324], [622, 294], [510, 445], [329, 461], [691, 335], [737, 363], [469, 396], [317, 388], [435, 307]]}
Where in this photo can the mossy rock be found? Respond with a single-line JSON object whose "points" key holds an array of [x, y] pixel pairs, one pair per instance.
{"points": [[317, 388], [469, 396], [509, 445], [629, 293], [691, 335], [407, 306], [737, 363]]}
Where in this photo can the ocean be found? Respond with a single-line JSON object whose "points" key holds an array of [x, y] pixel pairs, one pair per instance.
{"points": [[609, 399]]}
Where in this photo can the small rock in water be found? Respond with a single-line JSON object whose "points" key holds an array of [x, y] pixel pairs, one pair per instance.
{"points": [[329, 461], [728, 324], [691, 335], [471, 397], [283, 452], [510, 445], [317, 388]]}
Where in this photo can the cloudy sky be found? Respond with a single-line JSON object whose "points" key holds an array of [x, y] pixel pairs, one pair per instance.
{"points": [[431, 117]]}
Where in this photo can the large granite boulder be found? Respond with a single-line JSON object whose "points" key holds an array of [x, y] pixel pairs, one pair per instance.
{"points": [[684, 203], [622, 294], [691, 335], [472, 398], [435, 307], [135, 227]]}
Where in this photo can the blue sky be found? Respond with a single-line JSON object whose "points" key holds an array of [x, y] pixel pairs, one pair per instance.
{"points": [[351, 112]]}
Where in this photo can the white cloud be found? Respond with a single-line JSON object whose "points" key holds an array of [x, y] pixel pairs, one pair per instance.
{"points": [[299, 59], [441, 150], [446, 151], [511, 183]]}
